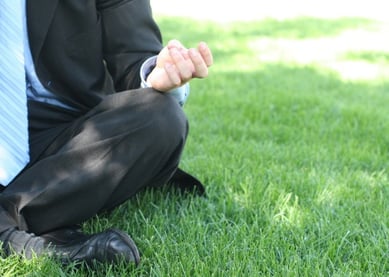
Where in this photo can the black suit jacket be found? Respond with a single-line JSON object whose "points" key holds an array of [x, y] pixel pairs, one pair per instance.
{"points": [[85, 49]]}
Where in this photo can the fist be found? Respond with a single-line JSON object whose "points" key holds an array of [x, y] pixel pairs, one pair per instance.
{"points": [[177, 65]]}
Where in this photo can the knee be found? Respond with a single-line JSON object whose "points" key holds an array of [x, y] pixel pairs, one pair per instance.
{"points": [[168, 120]]}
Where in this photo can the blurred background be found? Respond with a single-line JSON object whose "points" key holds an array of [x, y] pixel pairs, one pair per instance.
{"points": [[359, 52], [219, 10]]}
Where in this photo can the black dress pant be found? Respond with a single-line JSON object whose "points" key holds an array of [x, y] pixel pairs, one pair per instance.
{"points": [[129, 141]]}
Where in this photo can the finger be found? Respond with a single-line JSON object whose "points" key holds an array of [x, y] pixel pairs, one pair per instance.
{"points": [[206, 53], [178, 45], [175, 44], [201, 68], [173, 75], [184, 53], [184, 66]]}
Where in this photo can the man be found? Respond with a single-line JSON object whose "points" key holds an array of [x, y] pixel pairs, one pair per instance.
{"points": [[95, 137]]}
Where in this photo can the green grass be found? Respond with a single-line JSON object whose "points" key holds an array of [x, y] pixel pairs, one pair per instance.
{"points": [[370, 56], [295, 161]]}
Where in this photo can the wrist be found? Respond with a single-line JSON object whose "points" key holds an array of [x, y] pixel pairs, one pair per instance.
{"points": [[145, 70], [181, 93]]}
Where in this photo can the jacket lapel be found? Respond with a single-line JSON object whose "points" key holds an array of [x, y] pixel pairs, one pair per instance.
{"points": [[39, 16]]}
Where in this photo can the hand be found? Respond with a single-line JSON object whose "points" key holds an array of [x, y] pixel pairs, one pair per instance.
{"points": [[177, 65]]}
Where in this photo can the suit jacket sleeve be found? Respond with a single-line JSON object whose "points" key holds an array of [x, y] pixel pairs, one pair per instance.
{"points": [[130, 36]]}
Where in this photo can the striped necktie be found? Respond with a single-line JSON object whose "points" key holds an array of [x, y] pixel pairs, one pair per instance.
{"points": [[14, 148]]}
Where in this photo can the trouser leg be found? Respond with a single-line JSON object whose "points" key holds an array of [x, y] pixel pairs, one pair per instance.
{"points": [[129, 141]]}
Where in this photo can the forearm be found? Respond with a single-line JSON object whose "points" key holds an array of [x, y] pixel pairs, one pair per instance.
{"points": [[130, 36]]}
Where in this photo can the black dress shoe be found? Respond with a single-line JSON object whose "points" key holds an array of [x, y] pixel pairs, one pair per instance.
{"points": [[70, 245]]}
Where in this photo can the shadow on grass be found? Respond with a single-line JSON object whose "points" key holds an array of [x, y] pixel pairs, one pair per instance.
{"points": [[294, 106]]}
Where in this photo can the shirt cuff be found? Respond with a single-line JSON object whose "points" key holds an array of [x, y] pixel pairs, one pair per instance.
{"points": [[181, 94]]}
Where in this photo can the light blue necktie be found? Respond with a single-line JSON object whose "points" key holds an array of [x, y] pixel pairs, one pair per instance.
{"points": [[14, 148]]}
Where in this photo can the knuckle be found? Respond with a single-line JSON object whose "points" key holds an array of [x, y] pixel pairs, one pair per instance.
{"points": [[186, 77], [176, 82]]}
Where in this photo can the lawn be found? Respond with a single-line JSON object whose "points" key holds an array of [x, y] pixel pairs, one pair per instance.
{"points": [[292, 148]]}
